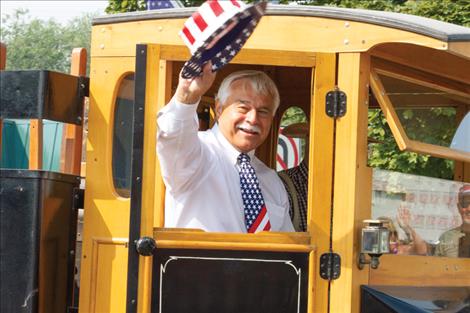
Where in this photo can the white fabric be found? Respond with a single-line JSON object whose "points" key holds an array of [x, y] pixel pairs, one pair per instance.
{"points": [[201, 176]]}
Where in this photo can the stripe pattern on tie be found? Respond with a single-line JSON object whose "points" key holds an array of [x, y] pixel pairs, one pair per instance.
{"points": [[256, 214]]}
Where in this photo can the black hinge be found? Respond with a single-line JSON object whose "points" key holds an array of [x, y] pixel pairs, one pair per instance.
{"points": [[335, 103], [330, 266]]}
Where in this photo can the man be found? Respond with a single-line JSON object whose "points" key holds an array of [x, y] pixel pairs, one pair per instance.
{"points": [[209, 176], [295, 179], [456, 242]]}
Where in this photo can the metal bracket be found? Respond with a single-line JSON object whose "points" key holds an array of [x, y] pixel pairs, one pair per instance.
{"points": [[78, 198], [335, 103], [330, 266]]}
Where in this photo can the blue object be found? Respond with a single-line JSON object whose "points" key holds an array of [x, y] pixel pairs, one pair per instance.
{"points": [[15, 144]]}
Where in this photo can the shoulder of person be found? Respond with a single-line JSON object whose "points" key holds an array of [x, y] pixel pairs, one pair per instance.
{"points": [[451, 234]]}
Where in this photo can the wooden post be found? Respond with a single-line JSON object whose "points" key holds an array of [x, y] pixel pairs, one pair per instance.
{"points": [[71, 152], [35, 144]]}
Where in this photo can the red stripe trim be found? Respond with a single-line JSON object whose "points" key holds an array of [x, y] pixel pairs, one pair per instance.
{"points": [[267, 226], [216, 7], [199, 20], [188, 35], [235, 3], [258, 220], [281, 162]]}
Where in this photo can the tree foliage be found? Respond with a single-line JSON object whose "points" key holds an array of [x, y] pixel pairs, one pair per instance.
{"points": [[38, 44]]}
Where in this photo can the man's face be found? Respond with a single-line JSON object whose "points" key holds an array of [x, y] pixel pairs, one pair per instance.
{"points": [[246, 116], [464, 210]]}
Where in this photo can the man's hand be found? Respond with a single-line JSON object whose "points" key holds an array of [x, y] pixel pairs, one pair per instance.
{"points": [[190, 91]]}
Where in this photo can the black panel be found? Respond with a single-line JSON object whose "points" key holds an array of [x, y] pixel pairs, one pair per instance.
{"points": [[370, 304], [37, 240], [42, 95], [229, 281], [137, 158], [414, 299]]}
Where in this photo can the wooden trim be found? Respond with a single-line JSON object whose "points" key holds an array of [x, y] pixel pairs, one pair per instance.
{"points": [[95, 243], [433, 61], [35, 144], [409, 270], [422, 78], [264, 241], [249, 56], [320, 170], [352, 181], [403, 142], [197, 235]]}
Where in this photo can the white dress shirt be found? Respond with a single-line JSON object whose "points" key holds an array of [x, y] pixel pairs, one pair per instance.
{"points": [[201, 176]]}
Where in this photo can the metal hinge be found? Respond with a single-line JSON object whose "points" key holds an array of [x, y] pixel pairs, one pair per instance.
{"points": [[335, 103], [330, 266]]}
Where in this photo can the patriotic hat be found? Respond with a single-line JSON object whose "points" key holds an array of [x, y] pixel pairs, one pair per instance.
{"points": [[217, 31]]}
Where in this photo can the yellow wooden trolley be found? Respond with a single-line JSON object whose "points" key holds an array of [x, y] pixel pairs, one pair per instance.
{"points": [[337, 65]]}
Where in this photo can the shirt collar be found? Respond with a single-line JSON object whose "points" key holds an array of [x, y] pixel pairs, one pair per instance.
{"points": [[230, 151]]}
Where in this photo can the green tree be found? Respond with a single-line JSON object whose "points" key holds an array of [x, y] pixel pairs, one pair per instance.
{"points": [[38, 44]]}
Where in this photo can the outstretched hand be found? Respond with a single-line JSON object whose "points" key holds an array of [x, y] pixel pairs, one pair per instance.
{"points": [[190, 91], [404, 219]]}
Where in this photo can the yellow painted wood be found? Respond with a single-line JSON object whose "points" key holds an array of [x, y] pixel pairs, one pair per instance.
{"points": [[106, 214], [272, 33], [249, 56], [320, 175], [409, 270], [108, 254], [460, 49], [184, 234], [163, 97], [35, 144], [403, 142], [351, 181]]}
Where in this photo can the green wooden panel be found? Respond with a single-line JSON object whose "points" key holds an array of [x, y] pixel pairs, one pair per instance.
{"points": [[15, 144]]}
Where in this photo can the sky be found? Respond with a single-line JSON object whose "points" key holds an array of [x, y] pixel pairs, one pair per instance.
{"points": [[62, 11]]}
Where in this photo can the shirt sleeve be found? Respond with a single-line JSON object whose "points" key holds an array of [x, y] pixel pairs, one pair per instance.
{"points": [[179, 149]]}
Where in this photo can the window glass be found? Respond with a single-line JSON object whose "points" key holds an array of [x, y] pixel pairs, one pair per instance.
{"points": [[122, 136], [427, 115], [291, 141], [384, 152], [426, 216]]}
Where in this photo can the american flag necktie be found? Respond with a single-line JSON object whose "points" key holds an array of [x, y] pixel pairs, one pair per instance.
{"points": [[256, 215]]}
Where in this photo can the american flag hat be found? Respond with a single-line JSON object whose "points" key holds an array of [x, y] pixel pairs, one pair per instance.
{"points": [[217, 31]]}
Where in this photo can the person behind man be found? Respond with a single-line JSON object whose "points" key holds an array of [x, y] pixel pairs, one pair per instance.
{"points": [[295, 179], [213, 179], [456, 242]]}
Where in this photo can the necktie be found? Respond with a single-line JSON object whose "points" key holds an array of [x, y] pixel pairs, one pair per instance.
{"points": [[256, 215]]}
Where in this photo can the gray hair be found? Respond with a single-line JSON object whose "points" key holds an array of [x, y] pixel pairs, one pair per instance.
{"points": [[260, 82]]}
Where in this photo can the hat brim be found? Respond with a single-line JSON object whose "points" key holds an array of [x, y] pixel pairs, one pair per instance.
{"points": [[226, 47], [297, 130]]}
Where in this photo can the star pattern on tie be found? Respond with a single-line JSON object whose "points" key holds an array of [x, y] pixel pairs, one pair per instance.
{"points": [[256, 217]]}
